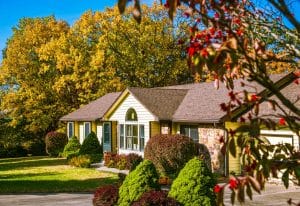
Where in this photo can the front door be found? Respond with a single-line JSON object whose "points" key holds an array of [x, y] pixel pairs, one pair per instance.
{"points": [[106, 137]]}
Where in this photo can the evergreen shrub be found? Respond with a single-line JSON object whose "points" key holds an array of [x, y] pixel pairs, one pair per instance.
{"points": [[72, 147], [92, 147], [194, 185], [140, 180], [169, 153], [55, 143]]}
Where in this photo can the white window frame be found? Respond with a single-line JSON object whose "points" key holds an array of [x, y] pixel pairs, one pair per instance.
{"points": [[126, 124], [84, 129], [68, 129]]}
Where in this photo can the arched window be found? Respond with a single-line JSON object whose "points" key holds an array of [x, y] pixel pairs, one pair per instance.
{"points": [[132, 133], [131, 115]]}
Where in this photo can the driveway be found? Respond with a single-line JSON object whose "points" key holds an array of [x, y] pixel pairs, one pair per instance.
{"points": [[274, 195], [44, 199]]}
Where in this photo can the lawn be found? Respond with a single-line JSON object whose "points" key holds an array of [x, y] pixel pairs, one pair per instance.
{"points": [[44, 174]]}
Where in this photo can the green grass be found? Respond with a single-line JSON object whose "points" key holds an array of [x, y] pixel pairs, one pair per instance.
{"points": [[44, 174]]}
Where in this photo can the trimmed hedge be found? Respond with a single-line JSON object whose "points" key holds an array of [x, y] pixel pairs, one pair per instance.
{"points": [[72, 147], [169, 153], [140, 180], [106, 195], [194, 185], [155, 198], [92, 147], [55, 143]]}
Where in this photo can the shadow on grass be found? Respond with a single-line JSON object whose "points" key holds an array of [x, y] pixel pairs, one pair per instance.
{"points": [[26, 175], [19, 163], [52, 186]]}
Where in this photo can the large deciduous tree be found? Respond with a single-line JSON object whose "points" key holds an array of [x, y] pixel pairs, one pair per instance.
{"points": [[145, 54], [30, 98]]}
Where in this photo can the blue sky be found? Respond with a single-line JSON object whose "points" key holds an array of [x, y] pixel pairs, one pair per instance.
{"points": [[69, 10]]}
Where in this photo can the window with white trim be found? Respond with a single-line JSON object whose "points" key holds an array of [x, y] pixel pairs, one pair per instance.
{"points": [[87, 128], [70, 129], [132, 134], [190, 131]]}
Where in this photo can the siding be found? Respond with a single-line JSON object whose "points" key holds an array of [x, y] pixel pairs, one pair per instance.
{"points": [[234, 164], [144, 117], [154, 129], [99, 132], [114, 137], [76, 129]]}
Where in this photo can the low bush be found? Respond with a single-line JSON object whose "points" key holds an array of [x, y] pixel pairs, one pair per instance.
{"points": [[92, 147], [55, 143], [35, 147], [122, 161], [16, 151], [155, 198], [110, 159], [133, 160], [169, 153], [194, 185], [72, 147], [140, 180], [83, 161], [106, 195]]}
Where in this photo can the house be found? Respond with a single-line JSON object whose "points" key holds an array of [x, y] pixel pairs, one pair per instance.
{"points": [[125, 121]]}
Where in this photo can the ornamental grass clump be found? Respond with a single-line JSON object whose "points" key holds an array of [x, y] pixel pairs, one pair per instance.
{"points": [[92, 147], [140, 180], [169, 153], [194, 185]]}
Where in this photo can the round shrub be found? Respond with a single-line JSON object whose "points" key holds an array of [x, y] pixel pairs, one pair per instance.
{"points": [[72, 147], [194, 185], [106, 195], [140, 180], [155, 198], [169, 153], [55, 143], [92, 147]]}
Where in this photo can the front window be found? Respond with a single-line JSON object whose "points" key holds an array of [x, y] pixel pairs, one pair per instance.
{"points": [[132, 134], [70, 129], [87, 129], [190, 131]]}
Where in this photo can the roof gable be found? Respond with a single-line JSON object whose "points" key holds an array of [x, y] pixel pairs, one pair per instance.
{"points": [[160, 102]]}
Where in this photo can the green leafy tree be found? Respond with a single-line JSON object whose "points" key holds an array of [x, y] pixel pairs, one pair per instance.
{"points": [[30, 100], [194, 185], [145, 54], [140, 180]]}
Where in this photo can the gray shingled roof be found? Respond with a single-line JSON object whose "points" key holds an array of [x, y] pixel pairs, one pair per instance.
{"points": [[94, 110], [199, 102], [202, 102], [161, 102]]}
